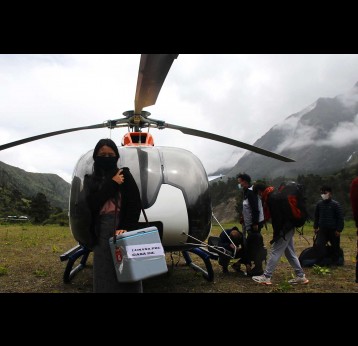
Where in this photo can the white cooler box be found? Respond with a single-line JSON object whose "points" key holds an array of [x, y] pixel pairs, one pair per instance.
{"points": [[138, 255]]}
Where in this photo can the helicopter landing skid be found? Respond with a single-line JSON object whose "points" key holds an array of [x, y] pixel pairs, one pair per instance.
{"points": [[72, 255], [206, 256]]}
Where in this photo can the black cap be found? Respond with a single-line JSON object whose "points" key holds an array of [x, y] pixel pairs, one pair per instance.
{"points": [[326, 188]]}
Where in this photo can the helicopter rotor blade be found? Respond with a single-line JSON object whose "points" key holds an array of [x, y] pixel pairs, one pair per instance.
{"points": [[153, 69], [208, 135], [109, 123]]}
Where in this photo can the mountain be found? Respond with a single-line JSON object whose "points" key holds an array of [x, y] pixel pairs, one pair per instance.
{"points": [[29, 184], [322, 138]]}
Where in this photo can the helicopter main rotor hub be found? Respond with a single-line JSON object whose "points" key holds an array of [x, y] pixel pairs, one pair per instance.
{"points": [[129, 114]]}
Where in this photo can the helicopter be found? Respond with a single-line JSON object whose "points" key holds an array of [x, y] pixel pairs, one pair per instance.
{"points": [[173, 183]]}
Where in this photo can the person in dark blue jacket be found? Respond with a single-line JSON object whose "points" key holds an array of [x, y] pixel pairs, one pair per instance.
{"points": [[328, 224], [230, 239]]}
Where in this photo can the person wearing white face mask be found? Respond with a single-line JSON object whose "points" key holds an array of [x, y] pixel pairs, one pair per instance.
{"points": [[328, 224], [252, 219]]}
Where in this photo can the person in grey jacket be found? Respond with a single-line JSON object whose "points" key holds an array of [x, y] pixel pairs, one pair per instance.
{"points": [[328, 224], [253, 220]]}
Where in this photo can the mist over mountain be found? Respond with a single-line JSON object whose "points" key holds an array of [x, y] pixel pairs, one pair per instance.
{"points": [[322, 139]]}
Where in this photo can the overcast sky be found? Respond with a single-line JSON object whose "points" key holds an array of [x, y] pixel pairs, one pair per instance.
{"points": [[238, 96]]}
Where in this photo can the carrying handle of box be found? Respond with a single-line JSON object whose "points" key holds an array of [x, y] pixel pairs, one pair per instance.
{"points": [[115, 218], [144, 214]]}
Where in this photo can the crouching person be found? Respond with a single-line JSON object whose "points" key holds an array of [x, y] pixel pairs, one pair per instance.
{"points": [[230, 240]]}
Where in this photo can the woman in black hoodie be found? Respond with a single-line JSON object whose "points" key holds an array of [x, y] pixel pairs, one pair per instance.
{"points": [[114, 200]]}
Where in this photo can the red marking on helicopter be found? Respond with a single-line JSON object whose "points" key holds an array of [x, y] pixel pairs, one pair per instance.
{"points": [[135, 139]]}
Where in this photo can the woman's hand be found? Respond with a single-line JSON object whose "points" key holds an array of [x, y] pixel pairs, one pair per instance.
{"points": [[119, 177], [120, 231]]}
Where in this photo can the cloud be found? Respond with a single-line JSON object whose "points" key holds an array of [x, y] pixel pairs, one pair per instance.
{"points": [[300, 135], [349, 99], [238, 96], [346, 133]]}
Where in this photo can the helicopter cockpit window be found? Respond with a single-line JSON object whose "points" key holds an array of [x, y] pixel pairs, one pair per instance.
{"points": [[146, 168], [141, 138]]}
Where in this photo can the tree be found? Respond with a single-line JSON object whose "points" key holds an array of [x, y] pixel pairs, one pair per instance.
{"points": [[40, 208]]}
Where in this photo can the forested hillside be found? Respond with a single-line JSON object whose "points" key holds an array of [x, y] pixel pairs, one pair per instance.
{"points": [[14, 181], [18, 188]]}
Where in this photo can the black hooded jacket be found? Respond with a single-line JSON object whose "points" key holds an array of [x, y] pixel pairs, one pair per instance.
{"points": [[101, 188]]}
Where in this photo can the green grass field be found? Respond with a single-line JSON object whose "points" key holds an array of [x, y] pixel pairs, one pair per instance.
{"points": [[29, 262]]}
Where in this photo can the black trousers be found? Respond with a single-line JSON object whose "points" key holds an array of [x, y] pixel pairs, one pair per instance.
{"points": [[324, 236], [255, 247]]}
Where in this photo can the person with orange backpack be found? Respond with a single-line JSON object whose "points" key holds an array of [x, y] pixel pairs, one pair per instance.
{"points": [[277, 206]]}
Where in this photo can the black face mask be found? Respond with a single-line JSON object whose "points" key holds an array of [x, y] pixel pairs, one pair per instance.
{"points": [[106, 163]]}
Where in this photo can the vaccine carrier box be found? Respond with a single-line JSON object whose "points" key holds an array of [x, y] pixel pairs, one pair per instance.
{"points": [[138, 255]]}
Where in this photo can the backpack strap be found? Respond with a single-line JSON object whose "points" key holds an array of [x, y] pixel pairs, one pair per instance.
{"points": [[314, 239], [115, 219]]}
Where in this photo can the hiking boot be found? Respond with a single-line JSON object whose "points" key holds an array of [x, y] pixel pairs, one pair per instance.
{"points": [[225, 270], [262, 279], [236, 266], [299, 280], [255, 272], [241, 272], [248, 268]]}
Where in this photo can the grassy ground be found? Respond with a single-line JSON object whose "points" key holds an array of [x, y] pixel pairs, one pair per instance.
{"points": [[29, 262]]}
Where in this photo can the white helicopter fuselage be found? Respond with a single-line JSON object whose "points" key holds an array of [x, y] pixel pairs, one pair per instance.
{"points": [[174, 189]]}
